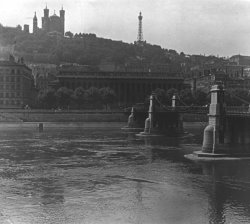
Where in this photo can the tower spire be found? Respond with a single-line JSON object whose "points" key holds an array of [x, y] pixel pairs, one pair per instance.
{"points": [[35, 24], [140, 33]]}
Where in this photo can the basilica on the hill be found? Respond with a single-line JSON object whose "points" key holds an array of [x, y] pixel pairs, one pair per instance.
{"points": [[50, 24]]}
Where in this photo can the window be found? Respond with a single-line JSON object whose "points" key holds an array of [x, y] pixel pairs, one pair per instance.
{"points": [[7, 95]]}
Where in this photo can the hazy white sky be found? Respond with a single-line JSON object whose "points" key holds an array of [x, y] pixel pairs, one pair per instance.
{"points": [[219, 27]]}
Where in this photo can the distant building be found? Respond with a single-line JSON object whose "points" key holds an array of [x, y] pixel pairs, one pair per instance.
{"points": [[246, 71], [240, 59], [230, 78], [52, 23], [130, 87], [16, 84], [26, 28], [232, 71]]}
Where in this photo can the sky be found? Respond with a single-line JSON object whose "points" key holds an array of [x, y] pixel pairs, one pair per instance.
{"points": [[210, 27]]}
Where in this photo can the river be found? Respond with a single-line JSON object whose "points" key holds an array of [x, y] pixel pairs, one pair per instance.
{"points": [[99, 175]]}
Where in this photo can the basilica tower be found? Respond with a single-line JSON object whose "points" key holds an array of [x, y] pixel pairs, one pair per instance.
{"points": [[35, 24], [62, 18], [45, 20]]}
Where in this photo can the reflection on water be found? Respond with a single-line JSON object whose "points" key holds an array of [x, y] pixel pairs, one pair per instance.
{"points": [[106, 175]]}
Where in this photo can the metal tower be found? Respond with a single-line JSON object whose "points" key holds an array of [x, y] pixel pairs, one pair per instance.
{"points": [[140, 34]]}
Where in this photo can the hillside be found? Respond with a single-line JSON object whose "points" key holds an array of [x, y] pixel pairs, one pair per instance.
{"points": [[88, 49]]}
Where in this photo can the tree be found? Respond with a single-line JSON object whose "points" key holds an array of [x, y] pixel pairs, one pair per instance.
{"points": [[47, 99], [186, 96], [93, 96], [69, 34], [79, 96], [64, 97], [161, 95], [201, 98], [108, 96], [169, 95]]}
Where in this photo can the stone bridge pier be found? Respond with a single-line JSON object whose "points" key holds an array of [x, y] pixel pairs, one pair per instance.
{"points": [[214, 132], [162, 122], [227, 133]]}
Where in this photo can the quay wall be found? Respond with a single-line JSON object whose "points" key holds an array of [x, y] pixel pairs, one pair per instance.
{"points": [[20, 115], [61, 116]]}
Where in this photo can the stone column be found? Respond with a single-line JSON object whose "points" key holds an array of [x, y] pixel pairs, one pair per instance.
{"points": [[149, 122], [174, 101], [131, 119], [214, 132]]}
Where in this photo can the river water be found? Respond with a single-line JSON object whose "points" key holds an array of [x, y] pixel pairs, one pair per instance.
{"points": [[107, 175]]}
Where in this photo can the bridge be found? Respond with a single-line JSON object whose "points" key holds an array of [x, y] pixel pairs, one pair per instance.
{"points": [[226, 125]]}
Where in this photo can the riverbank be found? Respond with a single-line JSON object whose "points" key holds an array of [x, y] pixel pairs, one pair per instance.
{"points": [[35, 125], [61, 116], [20, 115]]}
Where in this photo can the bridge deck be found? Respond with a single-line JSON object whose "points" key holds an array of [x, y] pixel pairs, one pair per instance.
{"points": [[239, 111]]}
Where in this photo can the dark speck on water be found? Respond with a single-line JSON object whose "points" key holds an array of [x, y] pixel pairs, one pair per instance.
{"points": [[107, 175]]}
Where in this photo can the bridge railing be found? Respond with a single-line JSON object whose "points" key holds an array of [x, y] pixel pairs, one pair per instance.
{"points": [[192, 109], [237, 109], [181, 109], [197, 109]]}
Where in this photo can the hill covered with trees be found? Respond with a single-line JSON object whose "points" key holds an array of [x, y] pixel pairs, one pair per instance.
{"points": [[88, 49]]}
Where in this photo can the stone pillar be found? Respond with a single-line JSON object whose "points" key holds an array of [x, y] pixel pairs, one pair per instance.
{"points": [[131, 119], [174, 101], [149, 122], [214, 132]]}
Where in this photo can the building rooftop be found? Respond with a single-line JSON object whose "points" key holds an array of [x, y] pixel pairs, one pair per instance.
{"points": [[117, 75], [8, 63], [12, 63]]}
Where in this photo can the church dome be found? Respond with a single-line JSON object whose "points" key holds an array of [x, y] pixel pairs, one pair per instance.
{"points": [[54, 16], [55, 23]]}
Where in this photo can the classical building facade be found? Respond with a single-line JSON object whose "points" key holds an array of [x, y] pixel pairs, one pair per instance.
{"points": [[16, 84], [130, 87], [52, 23]]}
